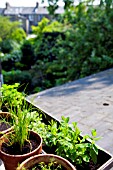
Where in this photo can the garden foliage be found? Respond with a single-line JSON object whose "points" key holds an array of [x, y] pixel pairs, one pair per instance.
{"points": [[76, 45]]}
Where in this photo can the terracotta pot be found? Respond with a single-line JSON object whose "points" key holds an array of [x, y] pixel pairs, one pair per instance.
{"points": [[46, 158], [11, 161], [7, 116]]}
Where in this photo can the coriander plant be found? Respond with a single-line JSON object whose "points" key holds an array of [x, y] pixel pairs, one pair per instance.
{"points": [[10, 96]]}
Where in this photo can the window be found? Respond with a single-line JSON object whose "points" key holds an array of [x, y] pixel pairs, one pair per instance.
{"points": [[31, 18]]}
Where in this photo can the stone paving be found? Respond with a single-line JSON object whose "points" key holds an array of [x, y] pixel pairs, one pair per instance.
{"points": [[88, 101]]}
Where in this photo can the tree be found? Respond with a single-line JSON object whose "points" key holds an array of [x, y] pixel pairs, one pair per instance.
{"points": [[18, 35], [27, 58], [7, 28], [53, 5]]}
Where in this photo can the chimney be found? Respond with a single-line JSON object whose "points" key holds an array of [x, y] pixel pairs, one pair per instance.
{"points": [[37, 5], [7, 5]]}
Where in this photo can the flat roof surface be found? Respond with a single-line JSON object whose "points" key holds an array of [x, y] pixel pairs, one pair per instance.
{"points": [[88, 101]]}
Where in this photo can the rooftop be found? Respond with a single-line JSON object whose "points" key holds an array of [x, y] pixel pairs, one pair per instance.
{"points": [[88, 101], [10, 10]]}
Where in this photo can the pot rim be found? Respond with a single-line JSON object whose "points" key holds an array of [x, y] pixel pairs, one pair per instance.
{"points": [[45, 156], [23, 155]]}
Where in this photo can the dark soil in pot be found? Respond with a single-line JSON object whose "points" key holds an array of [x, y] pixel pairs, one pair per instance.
{"points": [[89, 166], [4, 108], [101, 159], [14, 149], [49, 150], [4, 126], [46, 161], [11, 160], [5, 123]]}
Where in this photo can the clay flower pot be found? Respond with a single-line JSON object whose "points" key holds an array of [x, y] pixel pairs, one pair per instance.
{"points": [[46, 158], [6, 128], [11, 161]]}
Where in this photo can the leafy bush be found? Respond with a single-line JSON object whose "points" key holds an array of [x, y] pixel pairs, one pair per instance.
{"points": [[12, 60], [84, 50], [6, 46], [78, 46], [66, 140], [22, 77], [27, 58], [44, 48], [18, 35], [40, 78], [46, 35], [7, 27]]}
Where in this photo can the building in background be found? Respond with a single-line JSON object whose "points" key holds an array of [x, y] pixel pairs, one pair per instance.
{"points": [[28, 16]]}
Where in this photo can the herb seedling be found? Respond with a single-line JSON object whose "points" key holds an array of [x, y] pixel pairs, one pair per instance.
{"points": [[52, 165], [21, 120], [37, 125], [10, 96], [69, 142], [4, 124]]}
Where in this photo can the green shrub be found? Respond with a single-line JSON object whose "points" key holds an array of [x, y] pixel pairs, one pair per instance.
{"points": [[6, 46], [12, 60], [27, 58], [22, 77], [18, 35]]}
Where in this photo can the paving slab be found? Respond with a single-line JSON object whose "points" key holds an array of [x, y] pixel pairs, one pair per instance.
{"points": [[88, 101]]}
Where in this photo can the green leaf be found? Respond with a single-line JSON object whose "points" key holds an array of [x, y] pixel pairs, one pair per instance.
{"points": [[96, 139], [95, 149], [93, 132], [86, 158], [93, 156], [65, 119]]}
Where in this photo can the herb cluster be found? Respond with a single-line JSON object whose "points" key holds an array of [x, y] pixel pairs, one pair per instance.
{"points": [[67, 140]]}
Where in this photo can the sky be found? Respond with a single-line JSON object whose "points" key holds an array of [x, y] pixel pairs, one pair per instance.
{"points": [[27, 3]]}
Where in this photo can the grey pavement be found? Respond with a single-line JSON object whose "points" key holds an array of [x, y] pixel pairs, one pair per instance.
{"points": [[88, 101]]}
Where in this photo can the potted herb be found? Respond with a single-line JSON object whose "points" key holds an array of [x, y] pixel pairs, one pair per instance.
{"points": [[8, 96], [20, 143], [46, 162], [63, 139]]}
